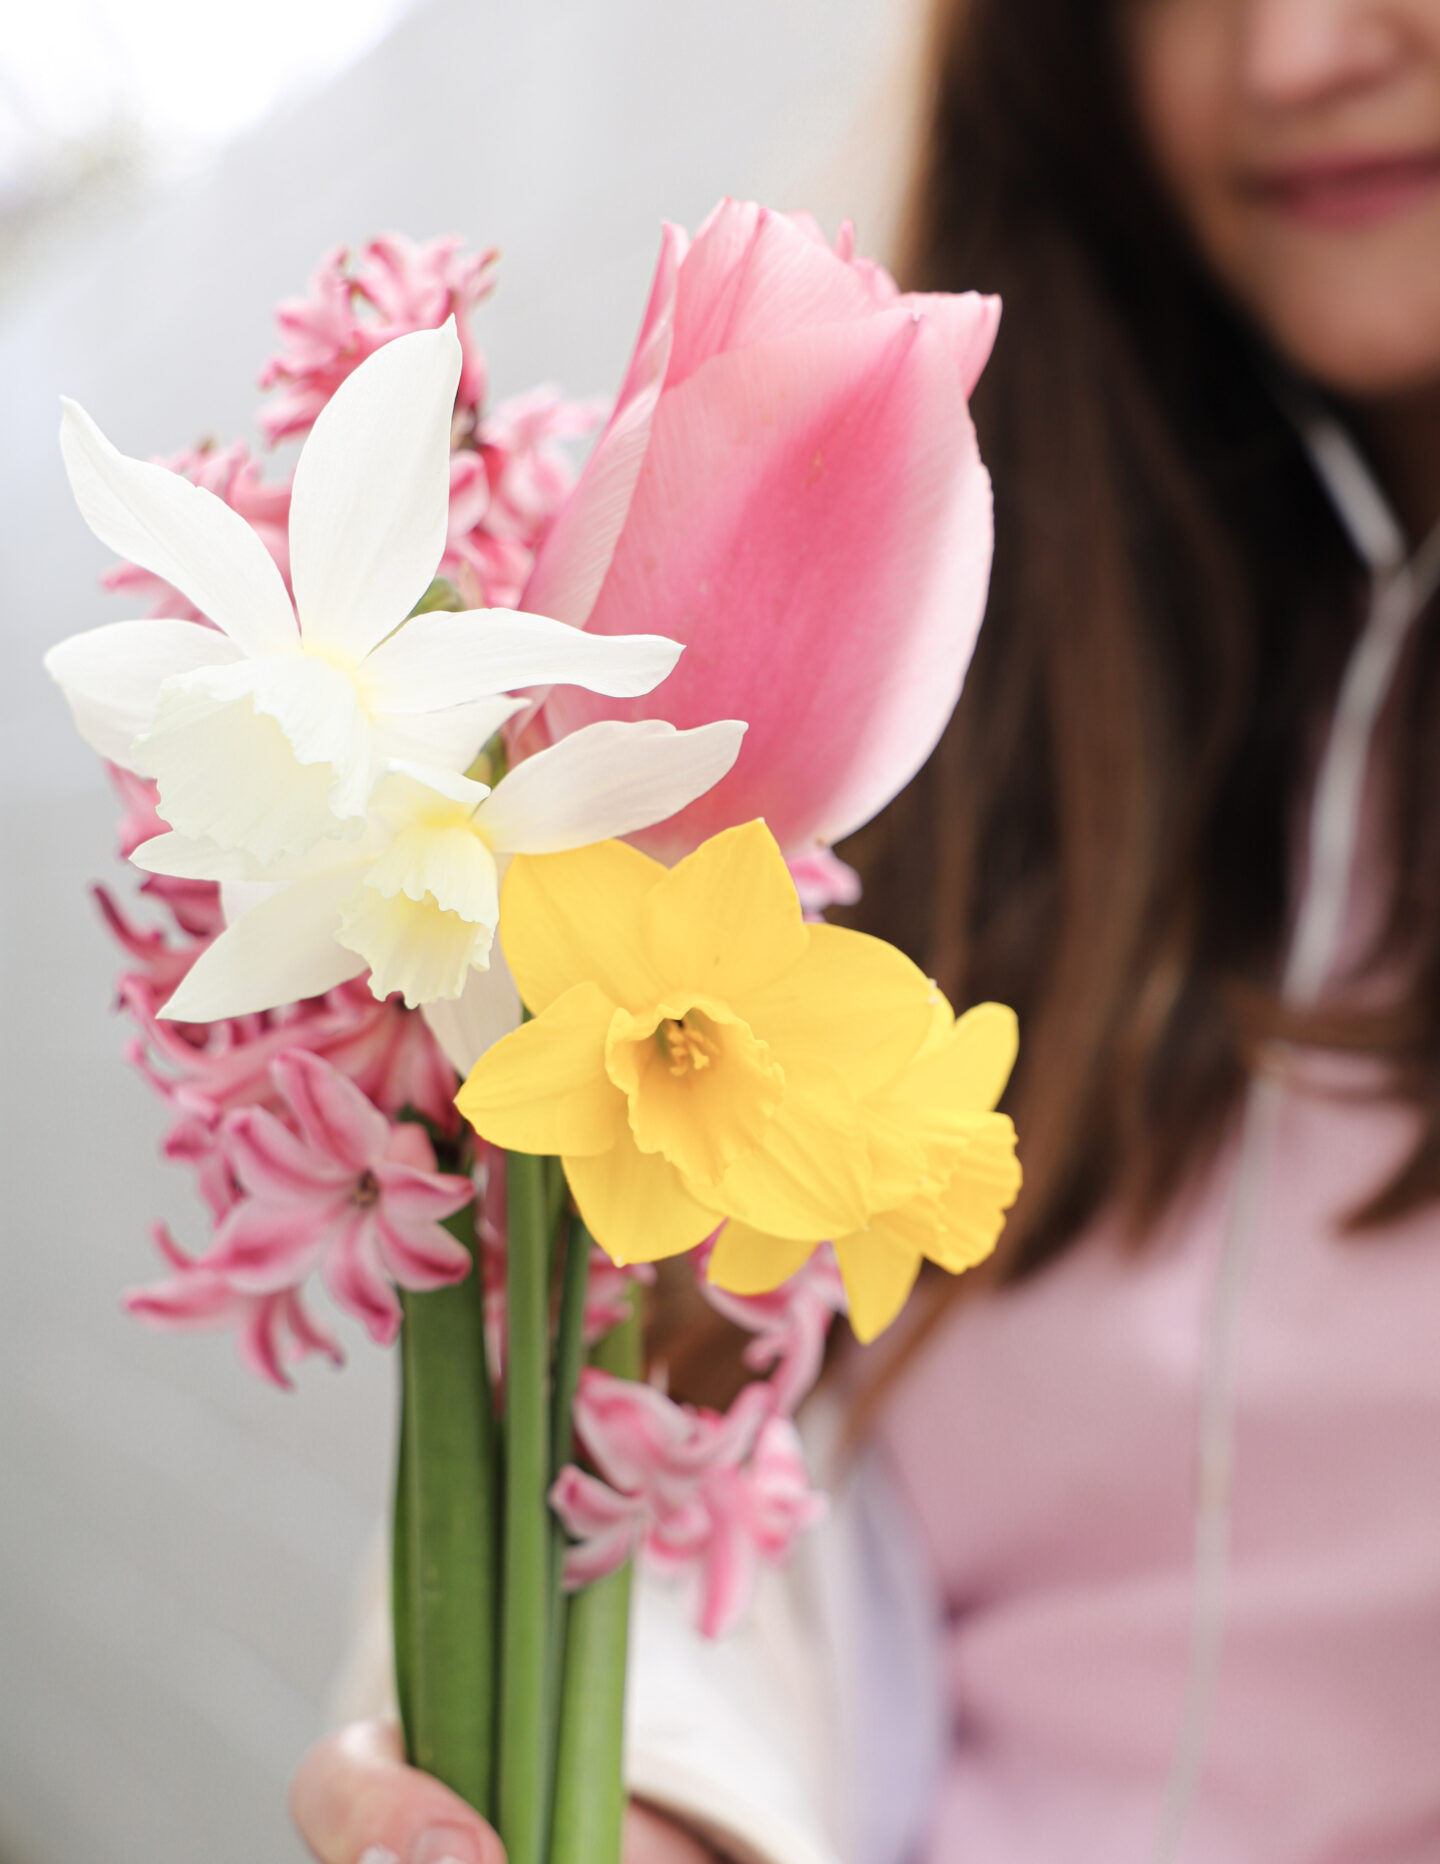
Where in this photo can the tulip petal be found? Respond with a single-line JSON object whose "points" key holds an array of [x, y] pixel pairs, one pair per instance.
{"points": [[570, 918], [544, 1088], [576, 555], [181, 533], [747, 1261], [281, 951], [845, 656], [444, 659], [486, 1009], [112, 675], [969, 323], [887, 1006], [635, 1205], [878, 1270], [727, 919], [752, 273], [371, 498], [604, 781]]}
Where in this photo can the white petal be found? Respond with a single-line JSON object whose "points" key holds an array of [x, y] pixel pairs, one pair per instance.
{"points": [[605, 780], [412, 793], [371, 498], [183, 857], [412, 946], [180, 533], [281, 951], [112, 675], [441, 659], [486, 1009], [452, 739], [271, 755], [450, 865]]}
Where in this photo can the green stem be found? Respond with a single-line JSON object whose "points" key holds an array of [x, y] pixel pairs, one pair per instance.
{"points": [[589, 1811], [445, 1565], [523, 1668], [569, 1352]]}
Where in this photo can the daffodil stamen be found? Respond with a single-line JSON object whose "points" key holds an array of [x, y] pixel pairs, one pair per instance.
{"points": [[686, 1044]]}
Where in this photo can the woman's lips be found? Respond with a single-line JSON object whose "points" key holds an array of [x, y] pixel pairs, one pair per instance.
{"points": [[1356, 191]]}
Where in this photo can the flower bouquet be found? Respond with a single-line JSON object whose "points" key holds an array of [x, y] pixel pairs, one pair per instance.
{"points": [[487, 812]]}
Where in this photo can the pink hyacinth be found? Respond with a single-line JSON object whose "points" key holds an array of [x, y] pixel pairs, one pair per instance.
{"points": [[198, 1298], [193, 904], [232, 475], [395, 286], [790, 485], [348, 1195], [506, 485], [791, 1324], [714, 1495]]}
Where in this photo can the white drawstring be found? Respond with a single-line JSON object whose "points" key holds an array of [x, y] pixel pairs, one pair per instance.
{"points": [[1399, 592]]}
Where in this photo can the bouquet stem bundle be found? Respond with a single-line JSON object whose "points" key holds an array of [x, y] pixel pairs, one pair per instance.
{"points": [[509, 1692]]}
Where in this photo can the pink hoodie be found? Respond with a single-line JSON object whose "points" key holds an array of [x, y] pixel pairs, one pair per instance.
{"points": [[1184, 1505]]}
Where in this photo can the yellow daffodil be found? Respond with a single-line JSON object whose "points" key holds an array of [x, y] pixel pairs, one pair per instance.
{"points": [[944, 1173], [698, 1052]]}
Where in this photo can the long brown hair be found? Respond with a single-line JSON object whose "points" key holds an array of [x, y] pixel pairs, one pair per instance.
{"points": [[1104, 837]]}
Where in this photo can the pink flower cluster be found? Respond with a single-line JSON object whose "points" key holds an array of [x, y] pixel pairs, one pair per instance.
{"points": [[716, 1494], [394, 287], [324, 1185]]}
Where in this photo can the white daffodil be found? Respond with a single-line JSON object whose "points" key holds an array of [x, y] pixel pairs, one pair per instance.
{"points": [[415, 900], [266, 734]]}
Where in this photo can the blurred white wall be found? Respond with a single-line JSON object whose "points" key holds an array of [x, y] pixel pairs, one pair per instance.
{"points": [[177, 1543]]}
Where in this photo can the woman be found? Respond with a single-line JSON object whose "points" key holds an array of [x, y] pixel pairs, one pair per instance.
{"points": [[1178, 1476]]}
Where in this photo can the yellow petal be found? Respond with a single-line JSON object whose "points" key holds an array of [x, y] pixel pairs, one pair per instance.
{"points": [[982, 1186], [878, 1267], [701, 1090], [852, 1001], [746, 1261], [726, 919], [812, 1177], [570, 918], [543, 1088], [635, 1205], [965, 1071], [900, 1164]]}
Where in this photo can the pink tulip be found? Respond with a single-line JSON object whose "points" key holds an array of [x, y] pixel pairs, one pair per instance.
{"points": [[790, 485]]}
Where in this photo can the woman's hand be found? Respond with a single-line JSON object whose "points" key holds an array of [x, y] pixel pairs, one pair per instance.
{"points": [[356, 1802]]}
